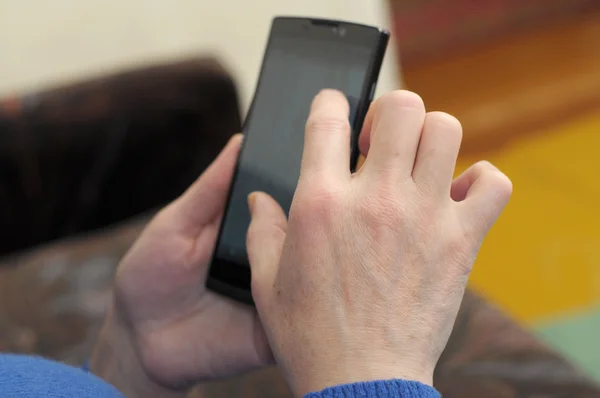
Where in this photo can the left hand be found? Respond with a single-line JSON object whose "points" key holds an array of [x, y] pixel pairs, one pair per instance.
{"points": [[179, 332]]}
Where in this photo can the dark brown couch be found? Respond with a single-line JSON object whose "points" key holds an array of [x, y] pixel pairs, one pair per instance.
{"points": [[82, 169]]}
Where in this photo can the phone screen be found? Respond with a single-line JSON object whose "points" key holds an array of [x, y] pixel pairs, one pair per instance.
{"points": [[300, 61]]}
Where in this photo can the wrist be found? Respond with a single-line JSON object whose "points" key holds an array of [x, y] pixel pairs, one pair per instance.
{"points": [[115, 359], [358, 371]]}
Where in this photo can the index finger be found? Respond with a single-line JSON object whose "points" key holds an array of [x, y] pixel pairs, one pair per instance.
{"points": [[327, 136]]}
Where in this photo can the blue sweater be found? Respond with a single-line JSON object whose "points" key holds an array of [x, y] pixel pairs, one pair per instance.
{"points": [[30, 377]]}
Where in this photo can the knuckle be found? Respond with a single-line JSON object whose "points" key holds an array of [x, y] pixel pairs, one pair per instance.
{"points": [[444, 119], [496, 180], [318, 201], [484, 166], [450, 124], [402, 98], [501, 184]]}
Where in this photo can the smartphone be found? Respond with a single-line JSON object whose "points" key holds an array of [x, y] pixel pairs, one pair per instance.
{"points": [[303, 56]]}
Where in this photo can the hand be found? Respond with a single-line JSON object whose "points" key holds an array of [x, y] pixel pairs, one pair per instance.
{"points": [[365, 281], [179, 332]]}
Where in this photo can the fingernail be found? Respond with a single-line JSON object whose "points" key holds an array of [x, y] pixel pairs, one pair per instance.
{"points": [[251, 202]]}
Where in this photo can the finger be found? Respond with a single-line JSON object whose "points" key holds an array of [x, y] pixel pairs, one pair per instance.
{"points": [[327, 138], [264, 242], [364, 139], [482, 192], [437, 152], [395, 133], [204, 201]]}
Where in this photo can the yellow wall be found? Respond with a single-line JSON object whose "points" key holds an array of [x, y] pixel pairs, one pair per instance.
{"points": [[543, 257]]}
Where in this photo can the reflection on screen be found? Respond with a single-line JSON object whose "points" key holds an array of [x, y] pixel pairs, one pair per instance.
{"points": [[294, 72]]}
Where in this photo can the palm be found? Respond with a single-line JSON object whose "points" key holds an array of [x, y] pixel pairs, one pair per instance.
{"points": [[183, 331]]}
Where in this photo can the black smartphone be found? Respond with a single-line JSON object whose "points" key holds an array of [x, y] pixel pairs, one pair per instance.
{"points": [[303, 56]]}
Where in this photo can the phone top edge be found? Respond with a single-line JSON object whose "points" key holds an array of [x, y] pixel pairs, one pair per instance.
{"points": [[381, 30]]}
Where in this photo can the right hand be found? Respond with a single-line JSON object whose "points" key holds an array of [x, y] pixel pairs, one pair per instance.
{"points": [[365, 281]]}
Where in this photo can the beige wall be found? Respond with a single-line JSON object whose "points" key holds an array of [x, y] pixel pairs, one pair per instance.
{"points": [[42, 42]]}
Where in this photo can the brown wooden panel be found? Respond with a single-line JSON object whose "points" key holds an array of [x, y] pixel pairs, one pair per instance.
{"points": [[428, 29], [521, 84]]}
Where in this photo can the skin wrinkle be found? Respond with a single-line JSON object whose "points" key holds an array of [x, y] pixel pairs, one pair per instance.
{"points": [[365, 283], [381, 219], [354, 280], [363, 280]]}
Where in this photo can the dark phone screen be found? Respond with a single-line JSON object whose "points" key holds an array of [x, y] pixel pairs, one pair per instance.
{"points": [[294, 70]]}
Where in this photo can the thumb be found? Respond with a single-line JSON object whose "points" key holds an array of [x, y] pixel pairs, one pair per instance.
{"points": [[264, 242], [203, 202]]}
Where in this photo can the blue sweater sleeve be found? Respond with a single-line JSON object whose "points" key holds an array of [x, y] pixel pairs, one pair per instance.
{"points": [[31, 377], [379, 389]]}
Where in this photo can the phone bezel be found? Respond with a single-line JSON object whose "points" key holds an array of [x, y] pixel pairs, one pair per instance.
{"points": [[234, 280]]}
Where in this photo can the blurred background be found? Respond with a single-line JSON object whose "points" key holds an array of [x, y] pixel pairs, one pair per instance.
{"points": [[524, 79], [522, 76]]}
